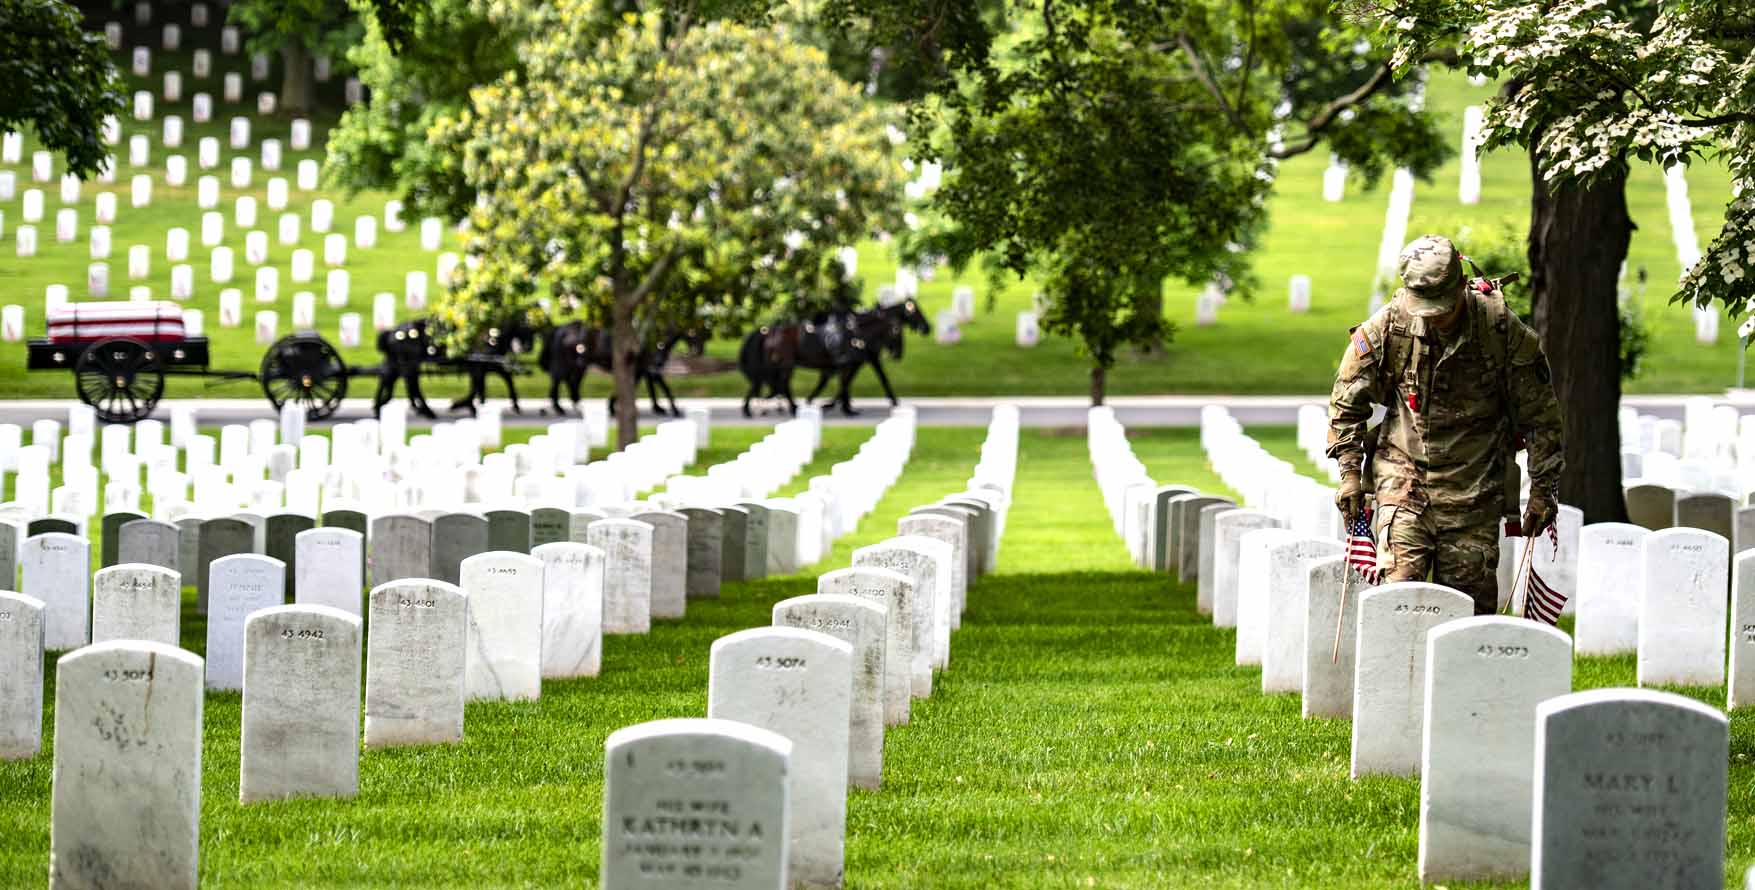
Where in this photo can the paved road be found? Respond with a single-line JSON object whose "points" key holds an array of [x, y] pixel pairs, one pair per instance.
{"points": [[1035, 411]]}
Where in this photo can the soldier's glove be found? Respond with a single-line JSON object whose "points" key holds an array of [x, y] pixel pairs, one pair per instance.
{"points": [[1539, 513], [1351, 497]]}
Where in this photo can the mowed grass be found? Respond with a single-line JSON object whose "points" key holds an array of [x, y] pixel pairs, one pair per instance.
{"points": [[1334, 243], [1091, 731]]}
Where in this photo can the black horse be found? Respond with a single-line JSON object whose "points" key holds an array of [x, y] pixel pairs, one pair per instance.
{"points": [[574, 348], [490, 355], [405, 348], [420, 342], [771, 354]]}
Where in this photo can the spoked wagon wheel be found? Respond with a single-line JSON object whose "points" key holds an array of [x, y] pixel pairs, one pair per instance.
{"points": [[120, 379], [305, 370]]}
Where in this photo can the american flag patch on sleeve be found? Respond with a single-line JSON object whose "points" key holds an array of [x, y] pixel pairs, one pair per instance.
{"points": [[1361, 344]]}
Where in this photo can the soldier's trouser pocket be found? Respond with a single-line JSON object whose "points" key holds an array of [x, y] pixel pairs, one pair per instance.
{"points": [[1404, 544]]}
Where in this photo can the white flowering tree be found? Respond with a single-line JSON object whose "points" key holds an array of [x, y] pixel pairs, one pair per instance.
{"points": [[643, 172], [1588, 88]]}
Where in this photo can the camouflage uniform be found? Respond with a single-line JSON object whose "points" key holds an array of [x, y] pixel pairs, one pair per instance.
{"points": [[1440, 465]]}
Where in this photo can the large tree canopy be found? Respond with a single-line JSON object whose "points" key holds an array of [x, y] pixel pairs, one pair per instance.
{"points": [[655, 173], [1103, 146], [57, 79]]}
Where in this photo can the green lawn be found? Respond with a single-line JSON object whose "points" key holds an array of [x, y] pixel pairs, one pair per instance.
{"points": [[1334, 243], [1091, 732]]}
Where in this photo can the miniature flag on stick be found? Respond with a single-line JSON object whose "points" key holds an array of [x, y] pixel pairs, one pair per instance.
{"points": [[1361, 550], [1541, 602]]}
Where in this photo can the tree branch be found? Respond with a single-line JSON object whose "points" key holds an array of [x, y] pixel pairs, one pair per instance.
{"points": [[1735, 117], [1206, 78], [1326, 117]]}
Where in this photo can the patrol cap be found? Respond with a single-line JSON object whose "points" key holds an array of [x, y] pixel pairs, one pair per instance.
{"points": [[1432, 275]]}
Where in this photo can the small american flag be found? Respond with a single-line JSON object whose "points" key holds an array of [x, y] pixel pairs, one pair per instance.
{"points": [[1361, 550], [1541, 602]]}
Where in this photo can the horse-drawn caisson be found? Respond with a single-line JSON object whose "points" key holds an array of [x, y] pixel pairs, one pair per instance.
{"points": [[121, 352]]}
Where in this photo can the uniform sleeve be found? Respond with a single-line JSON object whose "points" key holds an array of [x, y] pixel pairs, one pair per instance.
{"points": [[1357, 391], [1538, 412]]}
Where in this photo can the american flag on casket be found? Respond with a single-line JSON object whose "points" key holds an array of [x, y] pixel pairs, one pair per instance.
{"points": [[147, 321]]}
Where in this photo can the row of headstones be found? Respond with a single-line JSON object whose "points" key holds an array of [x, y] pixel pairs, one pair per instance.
{"points": [[1458, 706], [644, 566], [443, 643], [796, 712], [372, 462]]}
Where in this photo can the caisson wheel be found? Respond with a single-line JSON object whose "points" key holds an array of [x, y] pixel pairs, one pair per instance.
{"points": [[121, 379], [305, 370]]}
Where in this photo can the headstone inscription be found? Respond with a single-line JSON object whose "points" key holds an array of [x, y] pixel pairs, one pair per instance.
{"points": [[893, 591], [797, 683], [658, 773], [134, 601], [21, 676], [301, 723], [860, 623], [1484, 677], [505, 592], [128, 809], [243, 584], [1630, 792], [572, 609], [415, 664], [706, 533], [1389, 672]]}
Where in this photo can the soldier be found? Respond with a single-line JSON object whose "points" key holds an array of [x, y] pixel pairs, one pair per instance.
{"points": [[1463, 380]]}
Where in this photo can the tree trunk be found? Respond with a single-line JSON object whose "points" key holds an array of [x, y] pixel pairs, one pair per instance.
{"points": [[1577, 244], [625, 350], [1099, 384], [296, 79]]}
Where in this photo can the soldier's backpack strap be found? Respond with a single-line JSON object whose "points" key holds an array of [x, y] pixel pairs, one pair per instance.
{"points": [[1493, 332]]}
